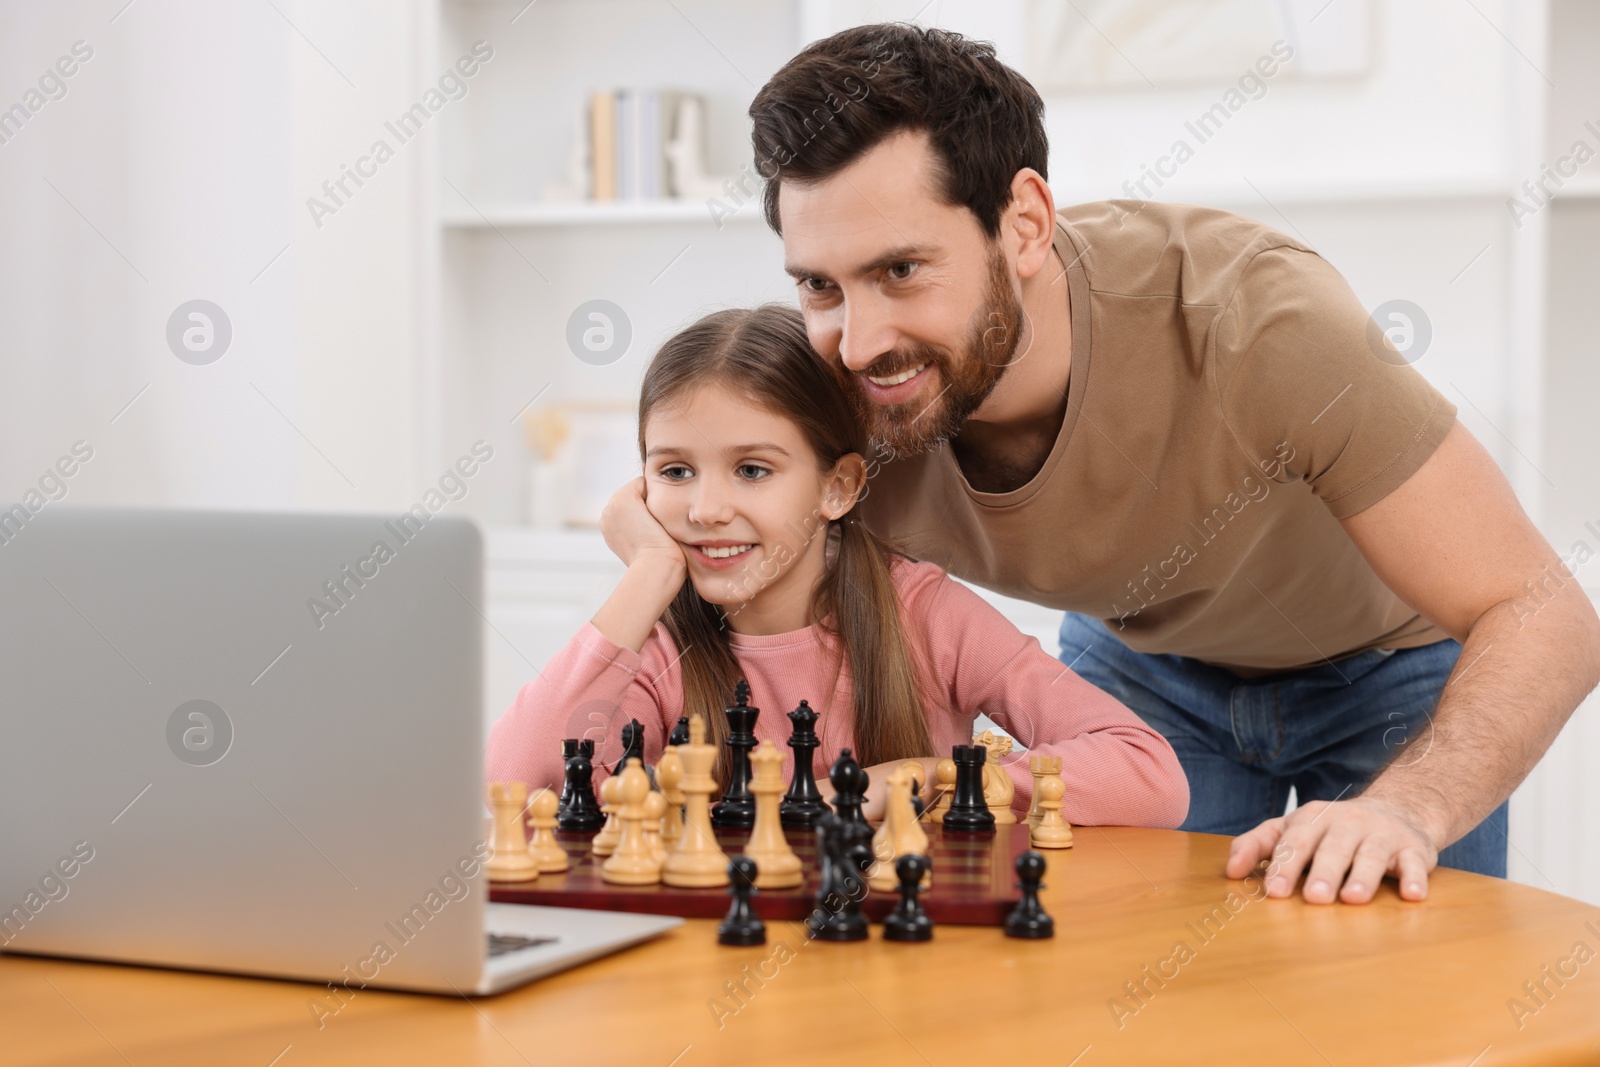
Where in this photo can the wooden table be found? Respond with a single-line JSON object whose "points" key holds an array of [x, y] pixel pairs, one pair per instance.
{"points": [[1273, 981]]}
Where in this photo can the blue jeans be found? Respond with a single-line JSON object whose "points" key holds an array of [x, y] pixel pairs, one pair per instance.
{"points": [[1325, 730]]}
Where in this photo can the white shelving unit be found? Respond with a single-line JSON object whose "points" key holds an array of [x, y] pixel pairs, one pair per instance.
{"points": [[509, 267], [1582, 187], [587, 213]]}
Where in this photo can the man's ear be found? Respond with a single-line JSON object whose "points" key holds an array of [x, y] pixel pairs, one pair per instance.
{"points": [[1028, 225], [846, 482]]}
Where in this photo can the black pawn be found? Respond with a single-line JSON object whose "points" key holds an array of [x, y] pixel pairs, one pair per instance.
{"points": [[737, 808], [969, 812], [908, 921], [569, 748], [850, 781], [632, 745], [582, 814], [1028, 918], [742, 926], [802, 804], [680, 732]]}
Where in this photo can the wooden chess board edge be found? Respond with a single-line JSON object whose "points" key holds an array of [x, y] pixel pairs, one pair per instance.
{"points": [[970, 893]]}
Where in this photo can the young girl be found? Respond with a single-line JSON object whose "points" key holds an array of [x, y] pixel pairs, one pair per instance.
{"points": [[746, 559]]}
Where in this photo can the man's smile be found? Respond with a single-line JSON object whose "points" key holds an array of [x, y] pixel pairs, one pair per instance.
{"points": [[894, 389]]}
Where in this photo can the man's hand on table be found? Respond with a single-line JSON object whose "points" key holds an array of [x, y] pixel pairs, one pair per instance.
{"points": [[1453, 543], [1351, 844]]}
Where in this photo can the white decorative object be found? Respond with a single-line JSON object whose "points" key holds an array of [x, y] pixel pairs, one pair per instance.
{"points": [[686, 153], [549, 482], [605, 455], [576, 185], [547, 431], [1141, 44]]}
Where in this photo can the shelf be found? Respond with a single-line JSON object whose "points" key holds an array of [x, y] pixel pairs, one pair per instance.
{"points": [[1315, 193], [1582, 187], [524, 546], [584, 213]]}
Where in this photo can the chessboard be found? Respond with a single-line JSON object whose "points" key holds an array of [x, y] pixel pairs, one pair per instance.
{"points": [[974, 882]]}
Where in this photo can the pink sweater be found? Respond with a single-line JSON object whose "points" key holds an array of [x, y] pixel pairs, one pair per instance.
{"points": [[1118, 771]]}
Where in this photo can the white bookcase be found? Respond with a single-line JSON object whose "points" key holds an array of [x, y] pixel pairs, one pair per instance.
{"points": [[509, 264]]}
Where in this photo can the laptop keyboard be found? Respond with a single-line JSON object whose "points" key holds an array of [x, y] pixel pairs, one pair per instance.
{"points": [[500, 944]]}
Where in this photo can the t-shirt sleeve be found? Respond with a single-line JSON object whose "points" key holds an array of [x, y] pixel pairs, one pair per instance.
{"points": [[1312, 389], [588, 690], [1117, 770]]}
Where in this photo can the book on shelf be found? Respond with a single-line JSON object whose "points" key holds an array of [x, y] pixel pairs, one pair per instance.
{"points": [[603, 146], [635, 135]]}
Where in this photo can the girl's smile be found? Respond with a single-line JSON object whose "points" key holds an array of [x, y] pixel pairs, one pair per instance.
{"points": [[718, 554]]}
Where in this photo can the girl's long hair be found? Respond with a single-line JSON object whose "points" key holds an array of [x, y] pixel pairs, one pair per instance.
{"points": [[764, 353]]}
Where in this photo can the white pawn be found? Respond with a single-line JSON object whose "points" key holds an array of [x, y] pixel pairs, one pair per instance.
{"points": [[1052, 831], [669, 773], [634, 861], [605, 842], [655, 810], [549, 855]]}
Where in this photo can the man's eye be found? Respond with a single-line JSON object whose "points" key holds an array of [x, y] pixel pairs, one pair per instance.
{"points": [[752, 472], [902, 271], [814, 285]]}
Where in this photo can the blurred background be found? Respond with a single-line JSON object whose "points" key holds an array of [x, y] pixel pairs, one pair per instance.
{"points": [[278, 254]]}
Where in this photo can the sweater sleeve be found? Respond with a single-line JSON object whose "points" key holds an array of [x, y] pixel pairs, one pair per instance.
{"points": [[1118, 771], [591, 688]]}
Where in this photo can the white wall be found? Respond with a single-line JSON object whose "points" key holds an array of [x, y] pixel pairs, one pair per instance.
{"points": [[187, 146], [163, 175]]}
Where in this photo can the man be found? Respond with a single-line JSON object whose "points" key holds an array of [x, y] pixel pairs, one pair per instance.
{"points": [[1273, 540]]}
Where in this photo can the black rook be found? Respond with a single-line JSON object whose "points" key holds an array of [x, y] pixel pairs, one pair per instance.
{"points": [[969, 812]]}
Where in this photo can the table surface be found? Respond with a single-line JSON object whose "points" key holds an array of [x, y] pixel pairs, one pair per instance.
{"points": [[1388, 982]]}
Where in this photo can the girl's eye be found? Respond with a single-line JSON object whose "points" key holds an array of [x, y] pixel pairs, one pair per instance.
{"points": [[901, 271], [677, 472]]}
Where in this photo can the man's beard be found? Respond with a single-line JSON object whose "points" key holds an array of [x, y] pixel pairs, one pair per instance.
{"points": [[902, 430]]}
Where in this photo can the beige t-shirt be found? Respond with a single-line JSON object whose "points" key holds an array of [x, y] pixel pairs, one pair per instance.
{"points": [[1226, 407]]}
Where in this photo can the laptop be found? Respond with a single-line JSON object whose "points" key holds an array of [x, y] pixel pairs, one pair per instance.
{"points": [[253, 743]]}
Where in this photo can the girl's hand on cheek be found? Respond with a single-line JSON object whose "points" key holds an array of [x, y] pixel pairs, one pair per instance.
{"points": [[635, 535]]}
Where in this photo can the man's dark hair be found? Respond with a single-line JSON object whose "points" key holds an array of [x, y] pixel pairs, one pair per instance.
{"points": [[844, 95]]}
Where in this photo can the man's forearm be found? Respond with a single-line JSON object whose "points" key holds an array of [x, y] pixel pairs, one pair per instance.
{"points": [[1523, 670]]}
